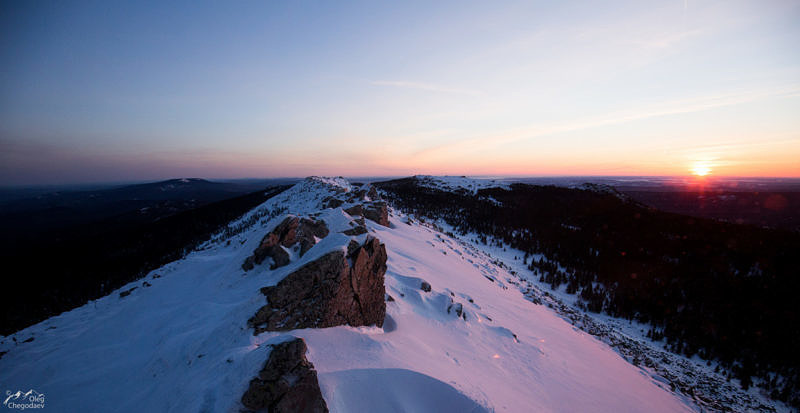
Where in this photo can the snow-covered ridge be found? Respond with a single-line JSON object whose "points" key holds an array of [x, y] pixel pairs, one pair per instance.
{"points": [[459, 183], [180, 341], [332, 182]]}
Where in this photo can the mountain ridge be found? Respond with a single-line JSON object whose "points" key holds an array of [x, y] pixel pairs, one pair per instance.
{"points": [[455, 321]]}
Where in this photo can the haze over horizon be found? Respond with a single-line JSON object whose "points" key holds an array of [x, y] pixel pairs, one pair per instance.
{"points": [[98, 92]]}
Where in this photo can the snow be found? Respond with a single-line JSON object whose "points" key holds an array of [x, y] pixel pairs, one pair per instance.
{"points": [[454, 183], [629, 337], [330, 182], [183, 343]]}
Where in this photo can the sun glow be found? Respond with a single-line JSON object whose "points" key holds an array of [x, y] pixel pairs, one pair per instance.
{"points": [[700, 168]]}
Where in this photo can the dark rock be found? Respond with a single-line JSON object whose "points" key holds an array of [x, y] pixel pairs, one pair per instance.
{"points": [[249, 263], [146, 284], [425, 287], [289, 232], [377, 212], [308, 231], [127, 292], [28, 340], [373, 194], [389, 298], [332, 202], [335, 289], [355, 210], [352, 246], [286, 383], [459, 309], [279, 257], [357, 230]]}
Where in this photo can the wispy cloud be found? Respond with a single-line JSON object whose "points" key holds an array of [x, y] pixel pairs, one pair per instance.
{"points": [[430, 87], [669, 108]]}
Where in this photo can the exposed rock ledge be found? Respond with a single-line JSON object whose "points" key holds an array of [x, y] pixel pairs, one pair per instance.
{"points": [[291, 231], [376, 211], [335, 289], [287, 383]]}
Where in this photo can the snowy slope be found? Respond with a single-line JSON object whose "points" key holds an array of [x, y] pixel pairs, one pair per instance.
{"points": [[701, 381], [456, 183], [182, 344]]}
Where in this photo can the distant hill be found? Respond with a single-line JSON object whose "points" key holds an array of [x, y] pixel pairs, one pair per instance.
{"points": [[775, 209], [61, 249], [59, 211]]}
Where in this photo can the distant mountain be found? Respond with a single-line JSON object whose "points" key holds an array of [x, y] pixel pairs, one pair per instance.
{"points": [[75, 246], [57, 211]]}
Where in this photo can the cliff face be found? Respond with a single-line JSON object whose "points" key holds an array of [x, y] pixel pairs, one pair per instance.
{"points": [[336, 289]]}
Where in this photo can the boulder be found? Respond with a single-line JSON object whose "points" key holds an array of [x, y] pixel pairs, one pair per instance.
{"points": [[336, 289], [286, 383], [425, 286], [308, 231], [355, 210], [377, 212], [331, 202], [289, 232]]}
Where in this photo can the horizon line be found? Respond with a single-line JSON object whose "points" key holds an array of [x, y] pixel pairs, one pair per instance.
{"points": [[356, 177]]}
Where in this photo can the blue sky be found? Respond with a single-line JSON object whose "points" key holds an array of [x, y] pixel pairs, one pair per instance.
{"points": [[102, 91]]}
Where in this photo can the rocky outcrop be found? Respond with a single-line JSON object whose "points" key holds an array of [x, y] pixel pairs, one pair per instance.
{"points": [[458, 308], [373, 193], [287, 383], [291, 231], [355, 210], [336, 289], [331, 202], [356, 230], [375, 211], [425, 286]]}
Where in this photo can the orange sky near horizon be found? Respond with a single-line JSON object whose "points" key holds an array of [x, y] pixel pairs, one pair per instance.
{"points": [[266, 89]]}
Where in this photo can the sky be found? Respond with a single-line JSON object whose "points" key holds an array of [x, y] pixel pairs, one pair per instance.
{"points": [[114, 91]]}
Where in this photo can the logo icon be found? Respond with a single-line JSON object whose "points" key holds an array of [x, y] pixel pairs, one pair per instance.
{"points": [[30, 399]]}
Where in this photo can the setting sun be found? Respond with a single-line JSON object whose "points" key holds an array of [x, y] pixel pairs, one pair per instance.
{"points": [[700, 169]]}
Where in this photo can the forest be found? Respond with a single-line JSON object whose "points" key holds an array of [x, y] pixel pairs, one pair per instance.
{"points": [[724, 292]]}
